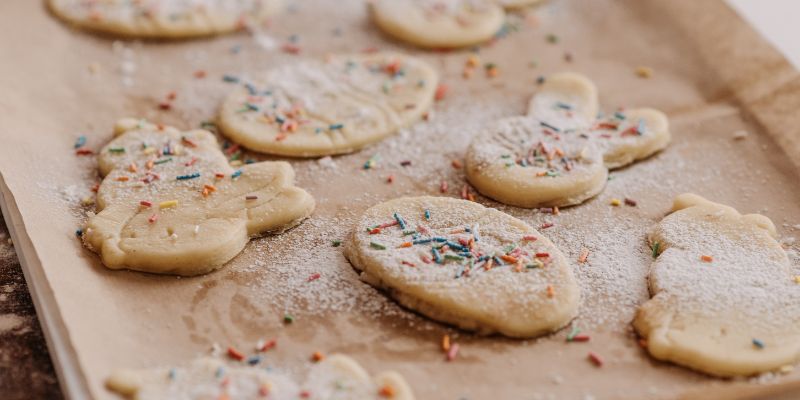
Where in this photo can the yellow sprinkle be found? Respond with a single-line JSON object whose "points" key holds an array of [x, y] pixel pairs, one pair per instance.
{"points": [[168, 204], [616, 202], [644, 72], [149, 150], [797, 279], [87, 201], [236, 163], [786, 369]]}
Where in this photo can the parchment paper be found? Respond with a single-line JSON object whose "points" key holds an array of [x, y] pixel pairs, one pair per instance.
{"points": [[713, 76]]}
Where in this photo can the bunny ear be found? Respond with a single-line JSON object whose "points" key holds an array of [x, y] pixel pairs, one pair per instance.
{"points": [[565, 99], [649, 130], [266, 191]]}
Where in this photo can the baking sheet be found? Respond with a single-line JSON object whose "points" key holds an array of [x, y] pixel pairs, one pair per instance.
{"points": [[713, 76]]}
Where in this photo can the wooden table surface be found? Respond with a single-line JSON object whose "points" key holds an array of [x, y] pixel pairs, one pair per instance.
{"points": [[26, 371]]}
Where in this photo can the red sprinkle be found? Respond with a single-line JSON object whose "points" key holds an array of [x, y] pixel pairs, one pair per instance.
{"points": [[630, 202], [547, 225], [83, 152], [581, 338], [235, 354], [375, 231], [542, 255], [199, 74], [164, 106], [153, 218], [145, 203], [441, 92], [268, 345], [291, 48], [410, 264], [443, 187], [530, 238], [390, 179], [314, 277], [595, 359]]}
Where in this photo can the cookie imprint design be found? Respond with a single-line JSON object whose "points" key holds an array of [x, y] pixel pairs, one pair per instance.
{"points": [[460, 263], [164, 18], [170, 203], [560, 154], [335, 377], [724, 300], [332, 107], [439, 23]]}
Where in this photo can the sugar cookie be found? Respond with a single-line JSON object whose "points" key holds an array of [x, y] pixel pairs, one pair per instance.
{"points": [[170, 202], [458, 262], [723, 298], [164, 18], [332, 107], [439, 23], [559, 155], [337, 377]]}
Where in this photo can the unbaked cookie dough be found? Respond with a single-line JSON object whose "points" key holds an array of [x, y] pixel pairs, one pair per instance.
{"points": [[724, 300], [559, 155], [170, 203], [337, 377], [164, 18], [518, 4], [439, 23], [329, 107], [460, 263]]}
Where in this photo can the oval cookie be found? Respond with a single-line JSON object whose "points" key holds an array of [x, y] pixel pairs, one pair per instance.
{"points": [[332, 107], [439, 23], [463, 264], [164, 18], [724, 300], [170, 203]]}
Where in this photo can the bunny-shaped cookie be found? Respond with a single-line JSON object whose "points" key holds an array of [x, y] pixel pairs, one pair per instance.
{"points": [[560, 154], [170, 203]]}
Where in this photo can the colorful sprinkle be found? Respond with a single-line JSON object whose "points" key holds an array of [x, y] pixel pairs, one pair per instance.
{"points": [[706, 258], [400, 221], [616, 202], [377, 246], [168, 204], [655, 248], [584, 256], [288, 318], [235, 354], [758, 343], [236, 174], [186, 177], [251, 197], [595, 359], [80, 142], [116, 149], [453, 352]]}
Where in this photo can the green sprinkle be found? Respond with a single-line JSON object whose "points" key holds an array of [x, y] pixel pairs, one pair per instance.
{"points": [[406, 233], [288, 318], [656, 247], [336, 243], [574, 332], [531, 266], [162, 161], [116, 149], [453, 257], [377, 246], [551, 38]]}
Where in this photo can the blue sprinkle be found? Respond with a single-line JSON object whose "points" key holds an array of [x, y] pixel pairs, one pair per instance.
{"points": [[439, 239], [230, 79], [497, 260], [400, 221], [427, 215], [253, 360], [334, 127], [640, 128], [80, 142], [220, 372], [249, 161], [421, 241], [546, 125], [436, 256], [563, 106], [236, 174], [251, 89], [79, 232], [619, 115], [187, 177], [758, 343], [456, 246], [172, 373]]}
